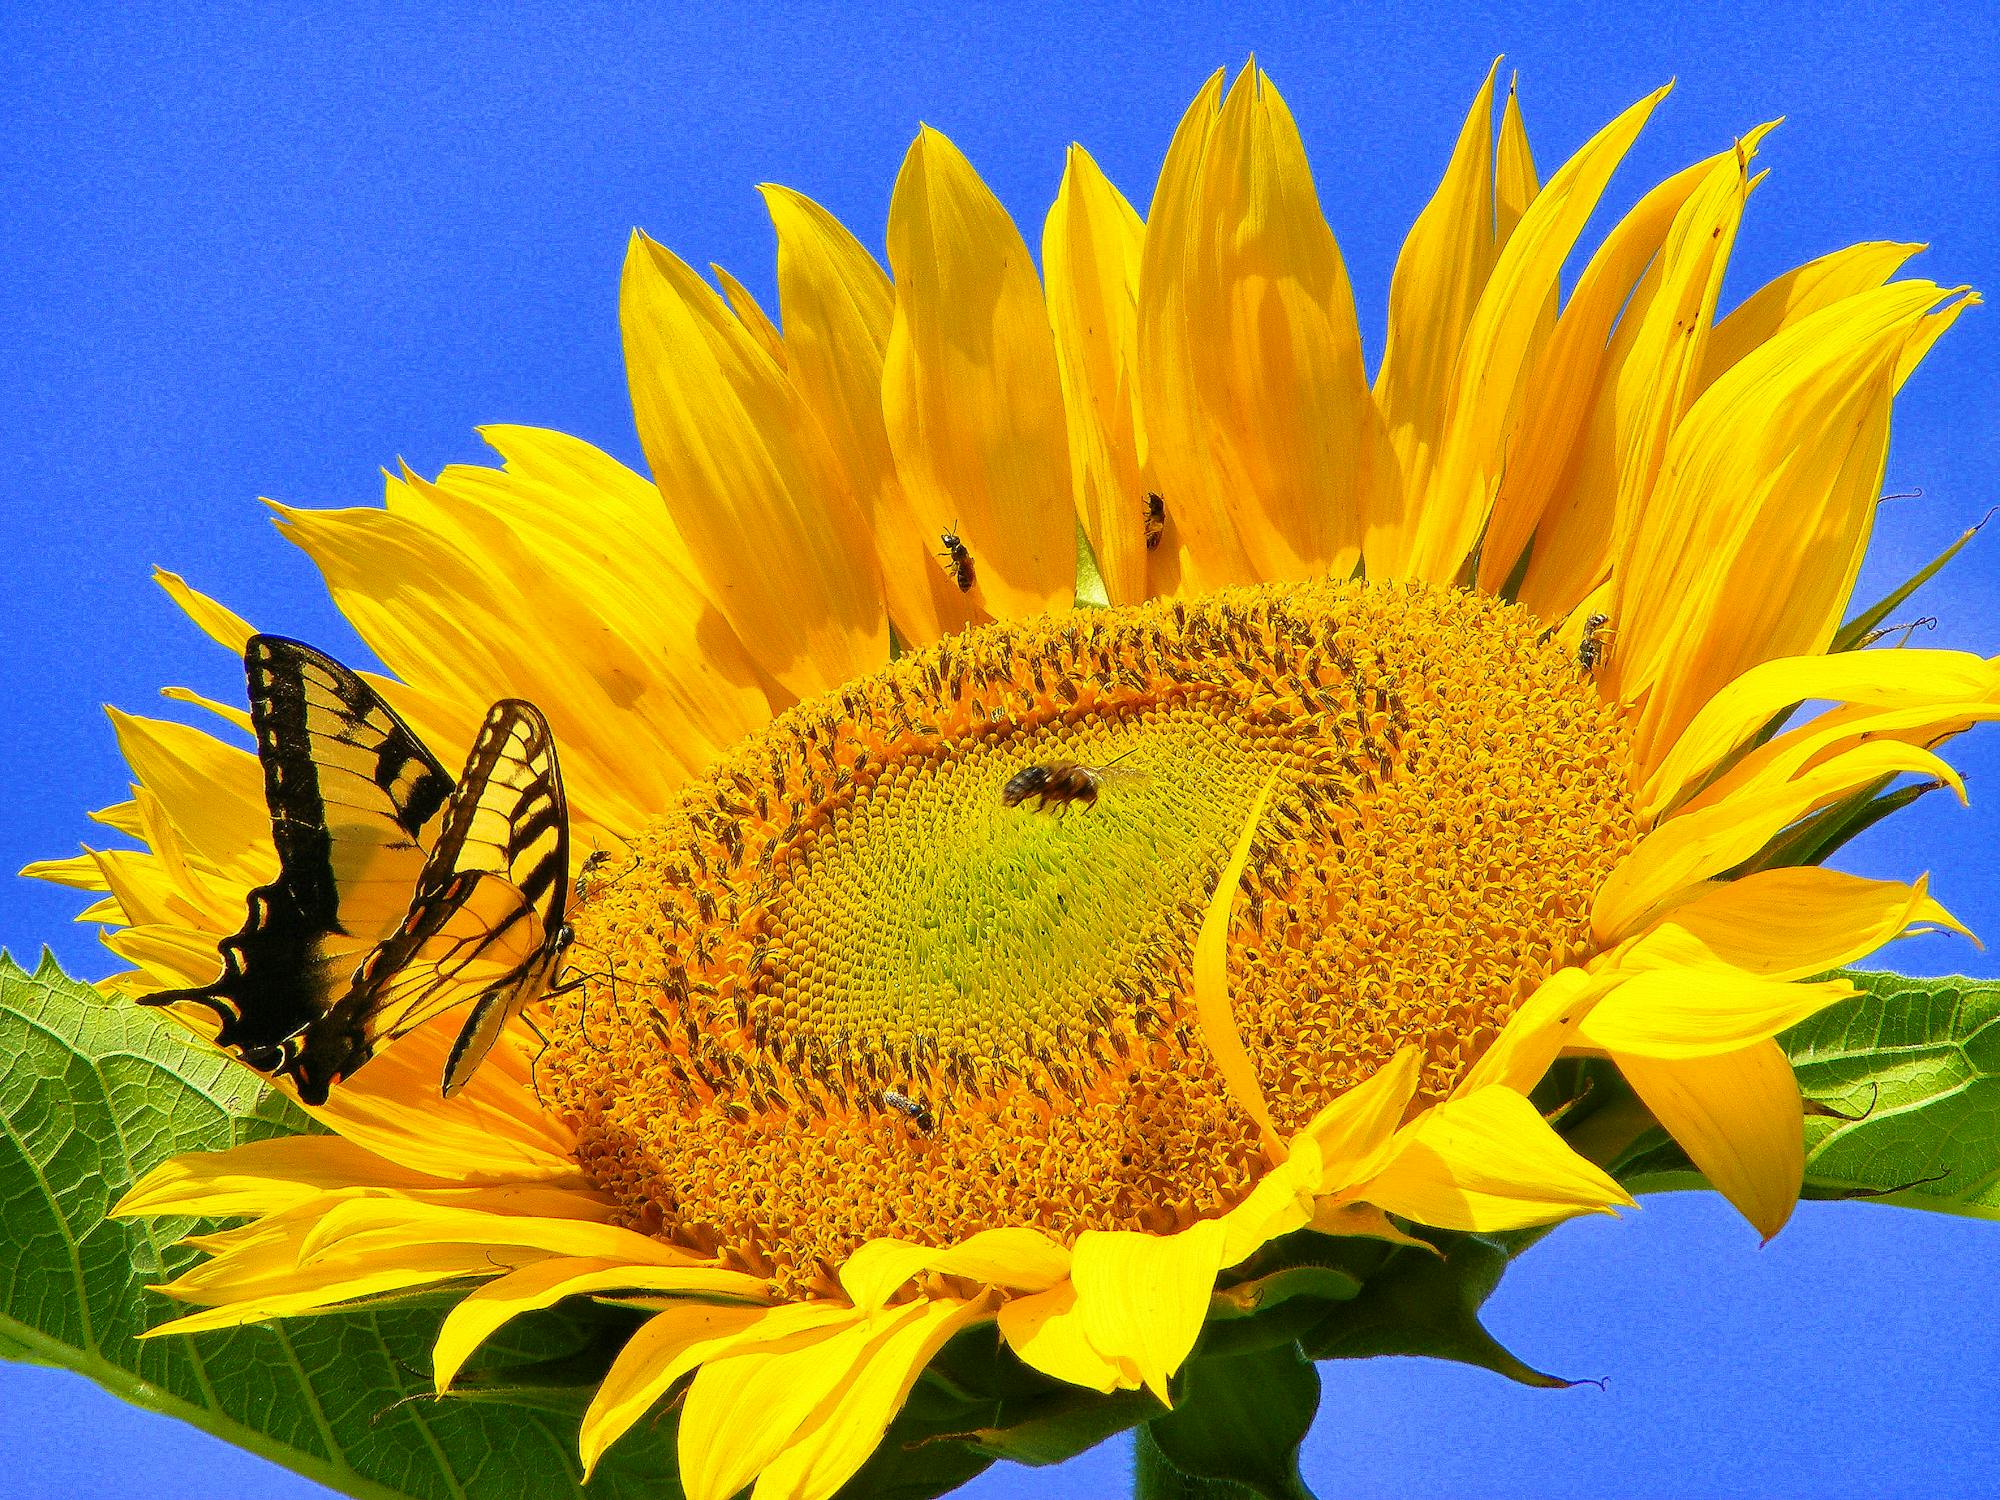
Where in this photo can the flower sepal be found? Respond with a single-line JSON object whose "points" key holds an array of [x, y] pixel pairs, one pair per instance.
{"points": [[1427, 1303]]}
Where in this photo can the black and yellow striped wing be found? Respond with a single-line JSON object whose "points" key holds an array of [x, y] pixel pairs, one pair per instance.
{"points": [[485, 924], [355, 801]]}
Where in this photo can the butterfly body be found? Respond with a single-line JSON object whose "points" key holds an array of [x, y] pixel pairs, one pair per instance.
{"points": [[400, 894]]}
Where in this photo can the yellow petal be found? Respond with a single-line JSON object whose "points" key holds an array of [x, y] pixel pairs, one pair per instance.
{"points": [[1440, 273], [1492, 362], [739, 463], [1900, 679], [1283, 1200], [1354, 1131], [1170, 347], [236, 718], [643, 682], [837, 1439], [1799, 293], [751, 316], [1930, 328], [1652, 373], [1016, 1257], [122, 816], [1702, 1010], [165, 883], [1696, 845], [80, 872], [171, 957], [213, 793], [1213, 1011], [1487, 1161], [1787, 924], [1046, 1332], [492, 1130], [1515, 184], [262, 1177], [387, 1226], [746, 1405], [970, 392], [148, 894], [1820, 739], [1346, 1143], [1142, 1297], [1091, 247], [1250, 358], [1739, 1118], [1660, 376], [670, 1344], [1536, 1034], [486, 1309], [1561, 477], [838, 306], [347, 1285], [220, 624], [1747, 549]]}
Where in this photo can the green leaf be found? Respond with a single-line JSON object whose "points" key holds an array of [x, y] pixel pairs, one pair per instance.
{"points": [[1854, 634], [1241, 1417], [1285, 1288], [1154, 1477], [1428, 1304], [1058, 1427], [1000, 1408], [94, 1091], [1815, 840], [1910, 1070]]}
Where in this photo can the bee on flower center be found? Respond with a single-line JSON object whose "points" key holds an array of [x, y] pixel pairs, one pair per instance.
{"points": [[959, 557], [1590, 650], [592, 863], [1061, 783], [1156, 519], [913, 1110]]}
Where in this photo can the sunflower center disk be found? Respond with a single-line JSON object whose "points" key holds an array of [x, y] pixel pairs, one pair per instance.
{"points": [[845, 990], [931, 927]]}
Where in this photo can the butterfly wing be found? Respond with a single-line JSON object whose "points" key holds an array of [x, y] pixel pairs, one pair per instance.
{"points": [[485, 925], [351, 792]]}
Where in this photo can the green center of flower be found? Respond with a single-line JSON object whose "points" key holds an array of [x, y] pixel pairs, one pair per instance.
{"points": [[937, 917], [915, 960]]}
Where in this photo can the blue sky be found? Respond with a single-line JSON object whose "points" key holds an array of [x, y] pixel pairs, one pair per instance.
{"points": [[254, 256]]}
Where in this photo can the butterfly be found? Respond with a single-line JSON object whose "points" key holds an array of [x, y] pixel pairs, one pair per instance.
{"points": [[400, 894]]}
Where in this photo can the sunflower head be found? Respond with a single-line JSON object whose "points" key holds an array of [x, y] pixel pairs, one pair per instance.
{"points": [[850, 917]]}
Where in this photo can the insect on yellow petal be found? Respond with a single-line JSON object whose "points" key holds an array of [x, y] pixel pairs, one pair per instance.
{"points": [[970, 393]]}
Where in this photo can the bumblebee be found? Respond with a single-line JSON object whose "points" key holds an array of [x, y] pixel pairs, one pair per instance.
{"points": [[1063, 783], [913, 1110], [1590, 650], [1156, 519], [959, 557]]}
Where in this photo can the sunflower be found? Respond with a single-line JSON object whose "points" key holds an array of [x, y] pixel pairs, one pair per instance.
{"points": [[1395, 740]]}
